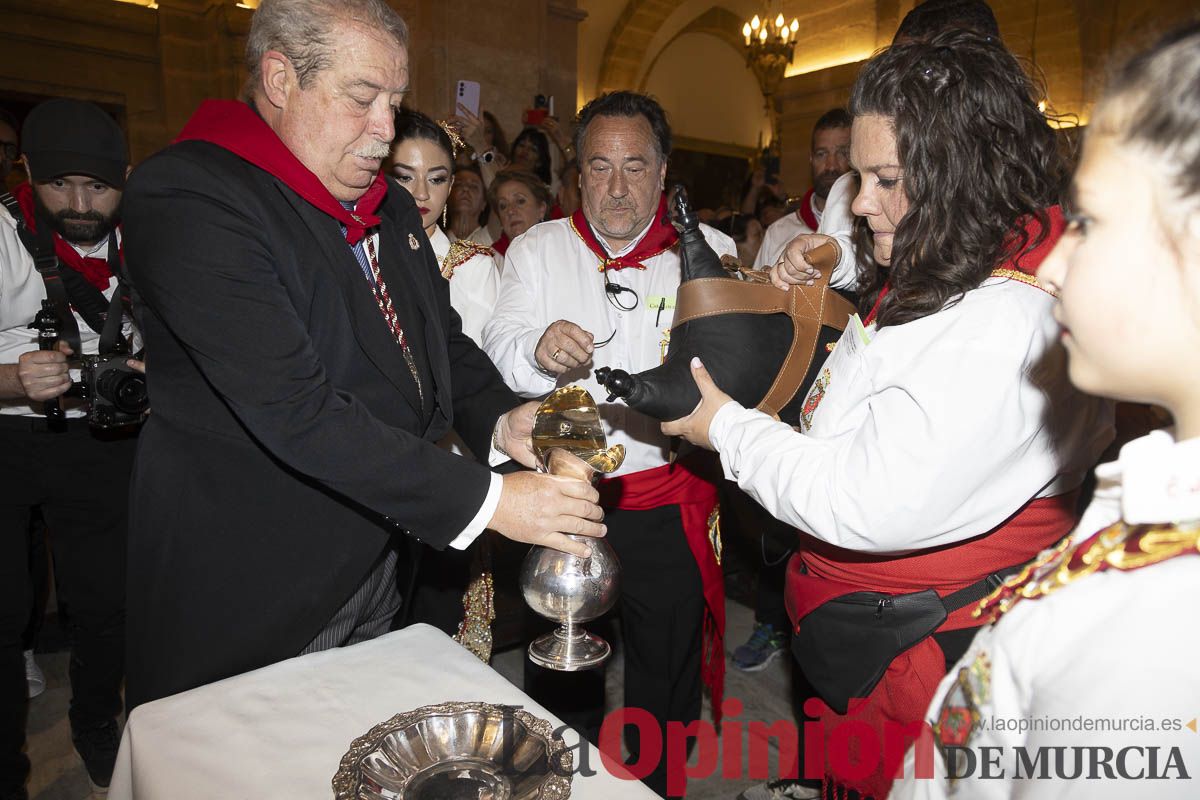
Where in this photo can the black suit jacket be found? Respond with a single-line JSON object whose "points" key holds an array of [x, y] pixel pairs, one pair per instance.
{"points": [[287, 441]]}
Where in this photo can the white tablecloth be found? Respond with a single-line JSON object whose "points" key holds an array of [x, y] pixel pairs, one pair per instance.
{"points": [[281, 731]]}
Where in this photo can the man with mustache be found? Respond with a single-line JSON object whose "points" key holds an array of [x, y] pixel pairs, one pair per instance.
{"points": [[306, 361], [598, 289], [75, 156], [830, 160]]}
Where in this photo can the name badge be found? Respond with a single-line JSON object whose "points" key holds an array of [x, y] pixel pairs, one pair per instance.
{"points": [[658, 302]]}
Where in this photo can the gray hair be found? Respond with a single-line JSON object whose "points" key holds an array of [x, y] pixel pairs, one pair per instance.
{"points": [[303, 31]]}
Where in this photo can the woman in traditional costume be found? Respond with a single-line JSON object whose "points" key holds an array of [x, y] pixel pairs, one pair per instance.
{"points": [[422, 161], [942, 445], [1099, 628]]}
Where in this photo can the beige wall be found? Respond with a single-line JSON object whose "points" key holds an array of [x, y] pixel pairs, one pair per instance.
{"points": [[725, 106], [160, 64], [1071, 41]]}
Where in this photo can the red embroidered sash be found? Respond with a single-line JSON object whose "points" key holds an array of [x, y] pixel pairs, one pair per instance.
{"points": [[696, 496]]}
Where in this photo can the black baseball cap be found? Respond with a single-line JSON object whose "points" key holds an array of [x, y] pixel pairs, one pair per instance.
{"points": [[74, 137]]}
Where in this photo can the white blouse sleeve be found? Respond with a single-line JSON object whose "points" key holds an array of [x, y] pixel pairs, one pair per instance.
{"points": [[473, 291], [837, 220], [954, 439]]}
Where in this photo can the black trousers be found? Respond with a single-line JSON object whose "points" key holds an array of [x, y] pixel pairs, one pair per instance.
{"points": [[662, 613], [81, 481]]}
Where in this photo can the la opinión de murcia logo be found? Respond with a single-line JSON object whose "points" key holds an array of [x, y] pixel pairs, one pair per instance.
{"points": [[855, 749]]}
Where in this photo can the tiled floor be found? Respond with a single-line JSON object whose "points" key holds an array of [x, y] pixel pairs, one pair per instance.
{"points": [[58, 774]]}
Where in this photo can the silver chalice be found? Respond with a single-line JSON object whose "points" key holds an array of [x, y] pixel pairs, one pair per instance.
{"points": [[568, 439]]}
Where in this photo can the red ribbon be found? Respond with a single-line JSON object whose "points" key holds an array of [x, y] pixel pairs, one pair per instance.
{"points": [[236, 127], [660, 238], [94, 270]]}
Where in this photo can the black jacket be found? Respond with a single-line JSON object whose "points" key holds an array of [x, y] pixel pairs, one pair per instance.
{"points": [[287, 442]]}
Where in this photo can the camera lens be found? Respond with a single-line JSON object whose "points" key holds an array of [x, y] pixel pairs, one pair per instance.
{"points": [[125, 390]]}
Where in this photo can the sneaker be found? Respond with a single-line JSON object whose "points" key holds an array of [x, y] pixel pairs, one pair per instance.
{"points": [[98, 747], [783, 789], [764, 644], [34, 677]]}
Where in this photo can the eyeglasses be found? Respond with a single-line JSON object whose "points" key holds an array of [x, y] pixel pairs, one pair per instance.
{"points": [[9, 149], [612, 293]]}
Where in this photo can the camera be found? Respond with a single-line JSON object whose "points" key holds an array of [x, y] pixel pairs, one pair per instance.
{"points": [[115, 391]]}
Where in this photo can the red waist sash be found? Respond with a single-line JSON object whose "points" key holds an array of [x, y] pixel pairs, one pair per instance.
{"points": [[820, 572], [684, 484]]}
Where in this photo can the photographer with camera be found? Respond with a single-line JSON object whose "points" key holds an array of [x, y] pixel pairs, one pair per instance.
{"points": [[68, 445]]}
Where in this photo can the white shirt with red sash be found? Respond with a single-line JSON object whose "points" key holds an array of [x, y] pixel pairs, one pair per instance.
{"points": [[1103, 660], [550, 274], [958, 435]]}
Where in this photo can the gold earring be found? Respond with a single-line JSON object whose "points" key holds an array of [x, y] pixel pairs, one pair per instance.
{"points": [[445, 214]]}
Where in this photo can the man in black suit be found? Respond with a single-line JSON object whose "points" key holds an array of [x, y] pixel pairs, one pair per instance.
{"points": [[303, 360]]}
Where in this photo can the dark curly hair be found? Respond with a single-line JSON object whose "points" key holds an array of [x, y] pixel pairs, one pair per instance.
{"points": [[978, 160]]}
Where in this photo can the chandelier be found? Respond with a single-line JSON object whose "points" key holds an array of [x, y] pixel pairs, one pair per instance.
{"points": [[769, 48]]}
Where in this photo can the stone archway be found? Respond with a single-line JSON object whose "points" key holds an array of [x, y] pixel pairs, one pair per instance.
{"points": [[629, 41], [717, 21]]}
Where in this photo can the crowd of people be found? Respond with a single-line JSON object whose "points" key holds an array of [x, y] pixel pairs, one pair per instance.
{"points": [[342, 313]]}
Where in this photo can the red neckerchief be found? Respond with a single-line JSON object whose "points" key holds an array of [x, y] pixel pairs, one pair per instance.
{"points": [[806, 213], [94, 270], [501, 244], [236, 127], [660, 238], [1028, 262]]}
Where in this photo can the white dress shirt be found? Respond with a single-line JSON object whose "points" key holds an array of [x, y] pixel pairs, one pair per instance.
{"points": [[21, 294], [473, 287], [1111, 650], [936, 431], [835, 220], [780, 232], [550, 274]]}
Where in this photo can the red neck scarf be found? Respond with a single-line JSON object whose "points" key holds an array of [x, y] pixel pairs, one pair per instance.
{"points": [[660, 238], [805, 212], [236, 127], [94, 270], [1028, 263], [501, 244]]}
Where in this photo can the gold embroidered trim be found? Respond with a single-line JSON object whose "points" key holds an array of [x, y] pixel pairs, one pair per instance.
{"points": [[1117, 547], [714, 533], [462, 251], [1017, 275]]}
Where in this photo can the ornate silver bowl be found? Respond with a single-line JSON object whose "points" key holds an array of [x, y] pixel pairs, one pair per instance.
{"points": [[457, 751]]}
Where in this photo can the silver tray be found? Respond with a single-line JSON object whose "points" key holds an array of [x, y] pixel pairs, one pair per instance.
{"points": [[457, 751]]}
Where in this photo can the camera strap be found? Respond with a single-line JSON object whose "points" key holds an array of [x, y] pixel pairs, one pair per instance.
{"points": [[111, 340], [41, 248]]}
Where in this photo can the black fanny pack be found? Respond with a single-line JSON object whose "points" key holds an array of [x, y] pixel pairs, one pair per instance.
{"points": [[846, 645]]}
